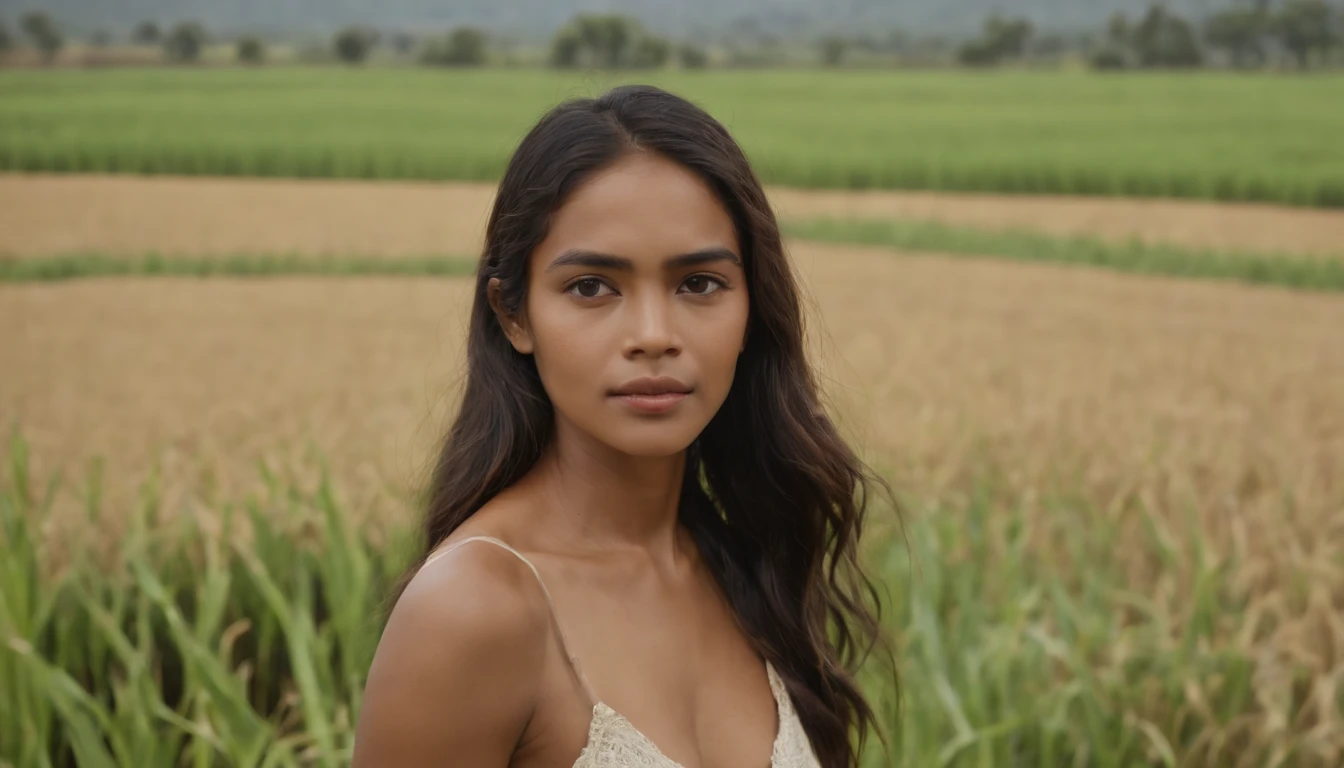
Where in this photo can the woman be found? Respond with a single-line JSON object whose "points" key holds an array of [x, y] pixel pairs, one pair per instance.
{"points": [[634, 519]]}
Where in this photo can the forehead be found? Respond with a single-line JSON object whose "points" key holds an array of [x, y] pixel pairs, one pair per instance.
{"points": [[643, 206]]}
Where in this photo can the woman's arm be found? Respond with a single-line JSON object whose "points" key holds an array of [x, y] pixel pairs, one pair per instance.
{"points": [[456, 674]]}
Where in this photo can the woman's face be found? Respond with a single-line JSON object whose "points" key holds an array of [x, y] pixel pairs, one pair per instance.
{"points": [[636, 307]]}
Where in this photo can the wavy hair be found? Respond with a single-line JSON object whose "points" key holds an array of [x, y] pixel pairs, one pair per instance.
{"points": [[772, 495]]}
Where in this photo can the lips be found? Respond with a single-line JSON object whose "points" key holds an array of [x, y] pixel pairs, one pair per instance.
{"points": [[652, 395], [662, 385]]}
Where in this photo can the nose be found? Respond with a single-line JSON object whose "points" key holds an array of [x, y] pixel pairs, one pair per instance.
{"points": [[652, 328]]}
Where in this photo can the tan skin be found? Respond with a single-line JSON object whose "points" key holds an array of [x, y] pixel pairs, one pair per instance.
{"points": [[469, 670]]}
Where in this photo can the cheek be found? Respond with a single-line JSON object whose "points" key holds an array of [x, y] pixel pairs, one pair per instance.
{"points": [[567, 350], [719, 344]]}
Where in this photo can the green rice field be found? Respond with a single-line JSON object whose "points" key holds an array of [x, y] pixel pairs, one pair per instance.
{"points": [[180, 644], [1272, 138]]}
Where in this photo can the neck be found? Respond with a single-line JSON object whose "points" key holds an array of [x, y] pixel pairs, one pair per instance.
{"points": [[605, 499]]}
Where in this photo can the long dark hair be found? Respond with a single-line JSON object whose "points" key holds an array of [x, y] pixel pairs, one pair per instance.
{"points": [[772, 495]]}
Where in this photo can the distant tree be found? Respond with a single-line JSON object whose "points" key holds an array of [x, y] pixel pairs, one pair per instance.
{"points": [[1304, 27], [833, 50], [250, 50], [6, 39], [977, 53], [402, 42], [1240, 32], [1163, 39], [352, 45], [566, 49], [463, 47], [1008, 36], [39, 28], [606, 37], [184, 43], [100, 38], [147, 33], [1118, 31], [1109, 58], [1003, 38], [467, 46], [650, 52], [692, 56], [607, 41]]}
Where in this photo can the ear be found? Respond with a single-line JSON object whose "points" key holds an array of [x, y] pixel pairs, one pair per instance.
{"points": [[514, 326]]}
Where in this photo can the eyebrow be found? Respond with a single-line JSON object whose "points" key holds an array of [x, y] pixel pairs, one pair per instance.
{"points": [[577, 257]]}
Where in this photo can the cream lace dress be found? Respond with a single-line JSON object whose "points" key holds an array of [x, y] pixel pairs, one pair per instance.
{"points": [[613, 742]]}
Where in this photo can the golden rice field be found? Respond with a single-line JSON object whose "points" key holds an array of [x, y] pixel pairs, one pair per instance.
{"points": [[1044, 364], [1192, 414], [44, 215]]}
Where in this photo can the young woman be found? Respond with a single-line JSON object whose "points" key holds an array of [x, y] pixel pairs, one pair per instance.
{"points": [[642, 529]]}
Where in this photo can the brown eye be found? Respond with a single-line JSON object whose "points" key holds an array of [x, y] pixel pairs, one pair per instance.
{"points": [[587, 288], [701, 285]]}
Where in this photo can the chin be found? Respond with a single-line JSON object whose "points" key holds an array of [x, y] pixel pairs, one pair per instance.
{"points": [[654, 441]]}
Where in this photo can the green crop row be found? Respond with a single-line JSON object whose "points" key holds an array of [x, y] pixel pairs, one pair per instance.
{"points": [[1218, 136], [1321, 273], [93, 265], [238, 632]]}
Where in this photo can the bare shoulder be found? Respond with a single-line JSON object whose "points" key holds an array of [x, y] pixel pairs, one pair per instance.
{"points": [[459, 665], [473, 591]]}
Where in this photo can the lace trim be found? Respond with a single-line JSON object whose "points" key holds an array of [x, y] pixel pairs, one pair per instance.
{"points": [[614, 742]]}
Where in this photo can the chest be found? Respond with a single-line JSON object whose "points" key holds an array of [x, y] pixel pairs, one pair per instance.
{"points": [[676, 686]]}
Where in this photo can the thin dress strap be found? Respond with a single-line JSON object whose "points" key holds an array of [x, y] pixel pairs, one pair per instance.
{"points": [[555, 618]]}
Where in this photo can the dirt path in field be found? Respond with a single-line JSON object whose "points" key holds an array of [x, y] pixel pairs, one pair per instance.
{"points": [[929, 360], [42, 215]]}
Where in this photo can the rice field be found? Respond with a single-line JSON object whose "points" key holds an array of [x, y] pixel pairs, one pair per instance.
{"points": [[51, 215], [1324, 273], [1242, 137], [1123, 492], [194, 227]]}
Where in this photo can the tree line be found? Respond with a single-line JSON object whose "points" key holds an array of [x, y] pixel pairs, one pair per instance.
{"points": [[1307, 31], [1248, 35], [183, 42], [588, 40]]}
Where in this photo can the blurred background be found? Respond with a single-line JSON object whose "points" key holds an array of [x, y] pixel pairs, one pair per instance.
{"points": [[1074, 275]]}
